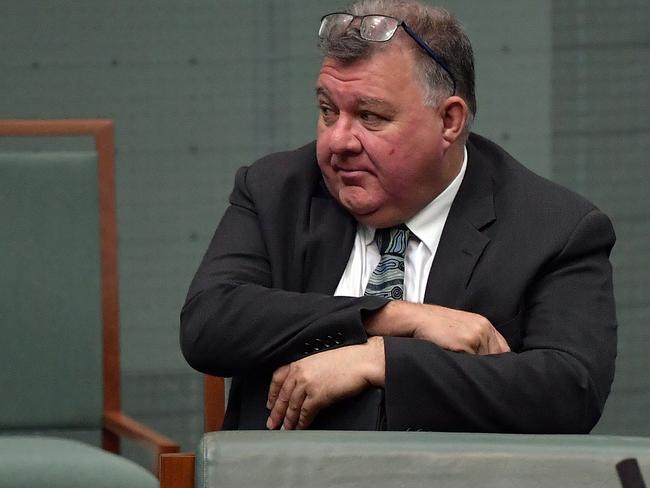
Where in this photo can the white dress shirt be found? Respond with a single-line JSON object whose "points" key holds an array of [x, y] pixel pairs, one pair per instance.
{"points": [[426, 228]]}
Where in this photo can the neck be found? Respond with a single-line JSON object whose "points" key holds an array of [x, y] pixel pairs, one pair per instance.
{"points": [[453, 161]]}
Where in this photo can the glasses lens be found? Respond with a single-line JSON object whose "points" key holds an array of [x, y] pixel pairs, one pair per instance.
{"points": [[378, 27], [334, 25]]}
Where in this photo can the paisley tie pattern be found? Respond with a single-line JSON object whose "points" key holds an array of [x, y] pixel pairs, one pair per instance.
{"points": [[387, 279]]}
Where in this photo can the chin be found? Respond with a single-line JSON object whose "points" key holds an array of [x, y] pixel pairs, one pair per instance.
{"points": [[357, 202], [377, 219]]}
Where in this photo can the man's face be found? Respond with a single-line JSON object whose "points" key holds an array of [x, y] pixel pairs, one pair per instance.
{"points": [[379, 148]]}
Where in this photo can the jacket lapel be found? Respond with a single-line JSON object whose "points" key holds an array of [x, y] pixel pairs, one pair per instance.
{"points": [[462, 242], [329, 243]]}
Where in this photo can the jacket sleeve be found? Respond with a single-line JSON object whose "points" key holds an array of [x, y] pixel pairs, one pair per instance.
{"points": [[236, 318], [557, 382]]}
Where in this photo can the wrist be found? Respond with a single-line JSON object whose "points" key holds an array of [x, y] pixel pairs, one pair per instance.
{"points": [[393, 319], [375, 371]]}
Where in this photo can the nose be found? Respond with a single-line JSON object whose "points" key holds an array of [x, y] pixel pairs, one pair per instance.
{"points": [[343, 138]]}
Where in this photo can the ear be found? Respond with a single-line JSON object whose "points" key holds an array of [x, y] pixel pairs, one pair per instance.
{"points": [[454, 114]]}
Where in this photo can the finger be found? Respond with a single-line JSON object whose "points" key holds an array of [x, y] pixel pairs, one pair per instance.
{"points": [[308, 412], [294, 408], [493, 346], [276, 384], [480, 343], [497, 343], [276, 416], [503, 344], [466, 345], [483, 345], [486, 336]]}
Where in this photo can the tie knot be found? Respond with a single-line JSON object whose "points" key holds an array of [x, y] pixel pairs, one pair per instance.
{"points": [[392, 240]]}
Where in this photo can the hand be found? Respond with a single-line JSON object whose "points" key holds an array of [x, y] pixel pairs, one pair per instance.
{"points": [[454, 330], [459, 331], [299, 390]]}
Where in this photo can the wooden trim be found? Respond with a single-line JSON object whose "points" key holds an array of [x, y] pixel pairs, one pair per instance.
{"points": [[124, 426], [110, 440], [104, 144], [177, 470], [64, 127], [214, 403]]}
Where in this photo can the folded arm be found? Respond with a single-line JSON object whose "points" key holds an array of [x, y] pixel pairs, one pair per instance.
{"points": [[556, 382], [240, 316], [449, 370], [298, 391]]}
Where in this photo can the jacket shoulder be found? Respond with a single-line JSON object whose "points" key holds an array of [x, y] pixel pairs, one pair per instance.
{"points": [[517, 185], [276, 170]]}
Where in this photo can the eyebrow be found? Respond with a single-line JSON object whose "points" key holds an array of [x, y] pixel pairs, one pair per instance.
{"points": [[320, 91], [361, 101], [371, 101]]}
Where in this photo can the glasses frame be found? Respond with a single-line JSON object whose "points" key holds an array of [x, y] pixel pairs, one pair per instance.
{"points": [[440, 61]]}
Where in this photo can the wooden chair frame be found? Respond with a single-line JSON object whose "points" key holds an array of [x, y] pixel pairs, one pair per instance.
{"points": [[177, 469], [115, 423], [214, 403]]}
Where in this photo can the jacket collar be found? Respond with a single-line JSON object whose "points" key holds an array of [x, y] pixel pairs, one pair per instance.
{"points": [[462, 242]]}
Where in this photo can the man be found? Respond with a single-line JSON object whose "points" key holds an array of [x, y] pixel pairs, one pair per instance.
{"points": [[507, 320]]}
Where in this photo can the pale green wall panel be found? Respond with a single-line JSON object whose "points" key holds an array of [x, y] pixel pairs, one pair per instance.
{"points": [[512, 46], [601, 148]]}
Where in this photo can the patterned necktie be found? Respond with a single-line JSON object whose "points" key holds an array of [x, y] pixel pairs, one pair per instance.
{"points": [[387, 280]]}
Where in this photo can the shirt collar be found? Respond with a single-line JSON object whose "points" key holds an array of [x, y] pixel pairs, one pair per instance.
{"points": [[422, 224]]}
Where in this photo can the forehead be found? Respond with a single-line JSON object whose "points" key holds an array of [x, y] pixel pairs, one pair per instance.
{"points": [[387, 73]]}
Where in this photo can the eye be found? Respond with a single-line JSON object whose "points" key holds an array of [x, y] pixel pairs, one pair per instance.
{"points": [[371, 118], [327, 113]]}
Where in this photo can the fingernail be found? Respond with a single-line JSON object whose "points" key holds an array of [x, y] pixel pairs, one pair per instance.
{"points": [[268, 405], [269, 424]]}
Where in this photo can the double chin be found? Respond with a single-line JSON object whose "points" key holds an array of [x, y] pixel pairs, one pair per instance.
{"points": [[358, 200]]}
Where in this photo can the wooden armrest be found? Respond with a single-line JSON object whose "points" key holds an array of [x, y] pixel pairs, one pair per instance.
{"points": [[177, 470], [125, 426]]}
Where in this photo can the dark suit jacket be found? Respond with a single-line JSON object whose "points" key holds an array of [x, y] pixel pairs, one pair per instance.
{"points": [[526, 253]]}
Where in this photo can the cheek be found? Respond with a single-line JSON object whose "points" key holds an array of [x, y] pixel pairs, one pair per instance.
{"points": [[323, 154], [389, 158], [402, 172]]}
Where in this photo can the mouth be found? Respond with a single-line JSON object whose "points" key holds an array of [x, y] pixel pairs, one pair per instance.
{"points": [[351, 176], [350, 172], [348, 169]]}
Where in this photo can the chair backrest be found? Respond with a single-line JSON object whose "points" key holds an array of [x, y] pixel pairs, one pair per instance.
{"points": [[318, 459], [58, 280]]}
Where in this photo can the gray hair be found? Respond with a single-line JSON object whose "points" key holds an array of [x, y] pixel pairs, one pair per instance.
{"points": [[437, 27]]}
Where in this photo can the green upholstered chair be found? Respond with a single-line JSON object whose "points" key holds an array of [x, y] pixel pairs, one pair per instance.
{"points": [[59, 315], [321, 459]]}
